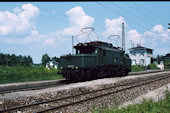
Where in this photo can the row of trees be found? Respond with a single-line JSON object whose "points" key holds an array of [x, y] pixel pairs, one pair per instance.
{"points": [[12, 60]]}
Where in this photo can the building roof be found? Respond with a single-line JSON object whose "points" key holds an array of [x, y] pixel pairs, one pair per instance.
{"points": [[140, 47]]}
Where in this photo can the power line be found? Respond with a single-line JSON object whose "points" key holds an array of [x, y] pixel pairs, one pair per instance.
{"points": [[121, 15], [153, 18], [145, 20], [149, 14]]}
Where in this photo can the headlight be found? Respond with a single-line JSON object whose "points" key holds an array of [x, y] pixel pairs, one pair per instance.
{"points": [[61, 68], [76, 67]]}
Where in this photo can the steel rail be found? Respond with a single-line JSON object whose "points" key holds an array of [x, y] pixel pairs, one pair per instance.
{"points": [[59, 83], [57, 99], [147, 72]]}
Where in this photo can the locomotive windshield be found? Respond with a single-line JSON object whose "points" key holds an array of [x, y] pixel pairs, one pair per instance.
{"points": [[85, 50]]}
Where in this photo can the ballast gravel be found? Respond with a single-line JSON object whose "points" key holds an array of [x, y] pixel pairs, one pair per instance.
{"points": [[26, 97], [155, 95]]}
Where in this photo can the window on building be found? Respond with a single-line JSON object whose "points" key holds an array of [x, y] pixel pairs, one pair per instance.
{"points": [[134, 62], [134, 53], [142, 53], [141, 61], [139, 53]]}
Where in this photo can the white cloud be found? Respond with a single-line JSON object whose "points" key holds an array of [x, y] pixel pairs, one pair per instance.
{"points": [[135, 37], [113, 27], [54, 12], [162, 51], [50, 41], [21, 21], [158, 39], [159, 33], [77, 19], [16, 9], [34, 37], [158, 28]]}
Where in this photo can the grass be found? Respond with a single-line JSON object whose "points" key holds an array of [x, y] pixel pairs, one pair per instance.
{"points": [[136, 68], [147, 106], [24, 74]]}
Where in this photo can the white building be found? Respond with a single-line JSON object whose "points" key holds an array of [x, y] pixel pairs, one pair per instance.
{"points": [[52, 64], [160, 65], [140, 55]]}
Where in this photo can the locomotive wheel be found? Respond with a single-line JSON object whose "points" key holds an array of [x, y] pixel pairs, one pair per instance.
{"points": [[102, 74], [88, 75], [115, 73], [124, 72], [109, 73], [69, 79]]}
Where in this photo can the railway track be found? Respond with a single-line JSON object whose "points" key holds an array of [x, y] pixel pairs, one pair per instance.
{"points": [[27, 88], [62, 102], [63, 82]]}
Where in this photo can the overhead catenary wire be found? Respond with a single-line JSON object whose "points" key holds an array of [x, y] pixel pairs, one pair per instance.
{"points": [[148, 16], [113, 11], [143, 18], [151, 14]]}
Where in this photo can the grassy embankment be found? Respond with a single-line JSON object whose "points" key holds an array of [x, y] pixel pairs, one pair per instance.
{"points": [[24, 74], [147, 106], [136, 68]]}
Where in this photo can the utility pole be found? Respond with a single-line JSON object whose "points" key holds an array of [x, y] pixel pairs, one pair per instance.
{"points": [[132, 44], [123, 37], [72, 44]]}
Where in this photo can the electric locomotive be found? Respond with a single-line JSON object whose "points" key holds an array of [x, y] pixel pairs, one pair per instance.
{"points": [[93, 60]]}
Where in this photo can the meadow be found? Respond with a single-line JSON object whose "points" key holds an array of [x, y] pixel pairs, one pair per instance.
{"points": [[26, 73]]}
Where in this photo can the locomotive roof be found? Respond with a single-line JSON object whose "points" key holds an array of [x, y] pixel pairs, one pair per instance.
{"points": [[98, 44]]}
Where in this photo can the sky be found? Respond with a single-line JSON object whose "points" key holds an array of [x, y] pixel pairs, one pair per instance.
{"points": [[38, 28]]}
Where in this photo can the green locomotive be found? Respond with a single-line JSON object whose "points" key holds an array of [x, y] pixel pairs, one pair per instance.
{"points": [[94, 60]]}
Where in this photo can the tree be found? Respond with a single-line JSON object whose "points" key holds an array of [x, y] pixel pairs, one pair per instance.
{"points": [[45, 59], [152, 66], [13, 60], [127, 55], [27, 61], [56, 59], [159, 58], [2, 59], [30, 60]]}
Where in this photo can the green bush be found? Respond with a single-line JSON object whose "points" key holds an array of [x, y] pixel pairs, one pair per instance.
{"points": [[25, 73], [152, 66], [136, 68], [167, 65]]}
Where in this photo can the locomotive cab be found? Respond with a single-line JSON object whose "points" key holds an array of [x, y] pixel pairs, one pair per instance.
{"points": [[84, 49]]}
